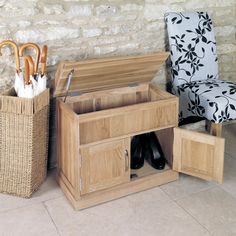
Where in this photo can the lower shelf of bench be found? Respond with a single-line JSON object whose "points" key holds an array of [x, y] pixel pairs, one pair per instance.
{"points": [[135, 185]]}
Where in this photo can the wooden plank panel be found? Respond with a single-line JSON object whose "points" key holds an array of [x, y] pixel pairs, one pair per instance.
{"points": [[166, 139], [84, 87], [118, 122], [121, 190], [119, 111], [198, 154], [102, 100], [109, 92], [68, 146], [105, 165], [84, 72], [91, 75], [112, 61]]}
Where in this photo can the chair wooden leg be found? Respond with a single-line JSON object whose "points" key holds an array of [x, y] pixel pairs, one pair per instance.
{"points": [[213, 128]]}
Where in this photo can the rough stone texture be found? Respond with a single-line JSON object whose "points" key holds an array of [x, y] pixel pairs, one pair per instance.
{"points": [[89, 33], [79, 29]]}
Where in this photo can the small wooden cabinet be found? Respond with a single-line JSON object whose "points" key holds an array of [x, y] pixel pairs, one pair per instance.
{"points": [[104, 165], [95, 128]]}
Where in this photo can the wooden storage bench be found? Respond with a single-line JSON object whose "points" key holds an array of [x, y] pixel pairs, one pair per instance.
{"points": [[95, 127]]}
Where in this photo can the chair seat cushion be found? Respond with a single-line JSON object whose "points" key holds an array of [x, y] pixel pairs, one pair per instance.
{"points": [[212, 99]]}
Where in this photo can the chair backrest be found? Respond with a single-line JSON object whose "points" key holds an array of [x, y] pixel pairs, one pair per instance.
{"points": [[192, 46]]}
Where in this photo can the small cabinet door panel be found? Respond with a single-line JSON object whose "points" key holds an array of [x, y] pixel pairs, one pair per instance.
{"points": [[198, 154], [105, 165]]}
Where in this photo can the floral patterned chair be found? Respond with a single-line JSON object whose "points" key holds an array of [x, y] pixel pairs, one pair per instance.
{"points": [[194, 70]]}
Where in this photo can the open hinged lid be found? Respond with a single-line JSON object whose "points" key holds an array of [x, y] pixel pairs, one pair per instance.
{"points": [[107, 73]]}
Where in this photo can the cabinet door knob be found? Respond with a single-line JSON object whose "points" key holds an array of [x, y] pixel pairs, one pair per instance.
{"points": [[126, 160]]}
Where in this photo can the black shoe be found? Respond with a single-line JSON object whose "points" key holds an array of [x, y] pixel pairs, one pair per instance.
{"points": [[137, 157], [154, 154]]}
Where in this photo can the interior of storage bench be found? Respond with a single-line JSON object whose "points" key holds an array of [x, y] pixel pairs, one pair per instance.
{"points": [[165, 138], [114, 98]]}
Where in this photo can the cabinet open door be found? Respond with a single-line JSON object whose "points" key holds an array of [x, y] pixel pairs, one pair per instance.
{"points": [[197, 154]]}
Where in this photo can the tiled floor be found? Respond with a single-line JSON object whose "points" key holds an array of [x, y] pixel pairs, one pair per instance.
{"points": [[186, 207]]}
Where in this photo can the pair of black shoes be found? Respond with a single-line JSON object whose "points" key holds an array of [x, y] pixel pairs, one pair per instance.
{"points": [[147, 146]]}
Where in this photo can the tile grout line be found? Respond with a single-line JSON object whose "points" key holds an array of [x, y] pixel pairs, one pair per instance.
{"points": [[175, 201], [28, 204], [194, 218], [51, 199], [190, 194], [17, 208], [220, 185], [232, 195], [51, 218]]}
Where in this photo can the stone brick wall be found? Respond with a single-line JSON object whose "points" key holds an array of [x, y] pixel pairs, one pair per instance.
{"points": [[78, 29]]}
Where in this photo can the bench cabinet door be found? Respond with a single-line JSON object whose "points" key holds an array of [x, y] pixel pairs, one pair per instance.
{"points": [[198, 154], [104, 165]]}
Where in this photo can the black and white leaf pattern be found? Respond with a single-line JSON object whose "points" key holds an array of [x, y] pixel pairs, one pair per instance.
{"points": [[194, 68]]}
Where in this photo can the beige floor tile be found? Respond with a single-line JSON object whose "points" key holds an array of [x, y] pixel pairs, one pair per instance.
{"points": [[212, 208], [159, 215], [148, 213], [229, 183], [225, 230], [185, 186], [83, 223], [27, 221], [229, 133], [49, 190]]}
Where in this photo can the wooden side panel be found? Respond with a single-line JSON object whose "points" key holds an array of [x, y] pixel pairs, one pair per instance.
{"points": [[109, 99], [120, 190], [68, 147], [166, 139], [128, 120], [101, 74], [156, 93], [105, 165], [198, 154]]}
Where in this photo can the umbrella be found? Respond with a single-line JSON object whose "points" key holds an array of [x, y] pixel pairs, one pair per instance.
{"points": [[27, 91], [37, 50], [33, 81], [33, 65], [42, 78], [39, 81], [19, 76]]}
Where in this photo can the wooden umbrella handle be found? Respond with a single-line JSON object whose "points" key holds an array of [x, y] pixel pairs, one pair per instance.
{"points": [[44, 59], [36, 48], [16, 49], [27, 72], [29, 68]]}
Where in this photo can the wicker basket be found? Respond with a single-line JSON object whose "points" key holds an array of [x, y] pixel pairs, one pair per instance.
{"points": [[23, 142]]}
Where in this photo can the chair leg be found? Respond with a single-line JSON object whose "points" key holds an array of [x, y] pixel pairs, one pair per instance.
{"points": [[213, 128]]}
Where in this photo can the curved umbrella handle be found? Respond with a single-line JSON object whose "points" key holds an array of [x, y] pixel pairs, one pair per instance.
{"points": [[44, 59], [29, 69], [27, 73], [16, 49], [36, 48]]}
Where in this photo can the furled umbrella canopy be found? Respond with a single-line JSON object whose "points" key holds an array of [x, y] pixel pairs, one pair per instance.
{"points": [[42, 78], [19, 80]]}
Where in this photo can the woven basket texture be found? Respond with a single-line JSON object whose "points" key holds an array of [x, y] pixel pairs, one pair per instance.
{"points": [[23, 143]]}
